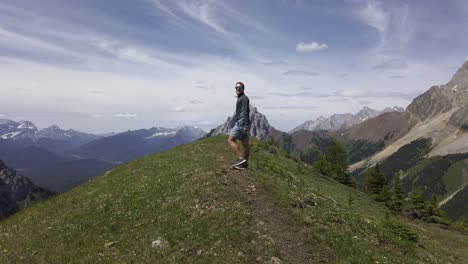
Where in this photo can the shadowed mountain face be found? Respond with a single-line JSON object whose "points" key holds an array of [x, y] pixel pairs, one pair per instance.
{"points": [[31, 157], [64, 176], [260, 127], [17, 191]]}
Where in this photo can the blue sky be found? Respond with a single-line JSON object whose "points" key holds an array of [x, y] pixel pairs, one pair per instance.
{"points": [[103, 66]]}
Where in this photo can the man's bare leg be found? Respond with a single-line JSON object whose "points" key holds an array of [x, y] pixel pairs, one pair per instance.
{"points": [[246, 145], [234, 146]]}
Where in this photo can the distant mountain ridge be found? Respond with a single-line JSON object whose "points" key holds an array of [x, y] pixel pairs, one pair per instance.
{"points": [[53, 138], [133, 144], [343, 121]]}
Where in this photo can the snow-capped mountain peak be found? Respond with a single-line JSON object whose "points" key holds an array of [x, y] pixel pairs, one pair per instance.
{"points": [[26, 125], [343, 121], [27, 133]]}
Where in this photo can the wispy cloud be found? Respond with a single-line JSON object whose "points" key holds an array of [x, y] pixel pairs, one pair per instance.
{"points": [[116, 115], [300, 73], [125, 52], [206, 87], [276, 63], [257, 97], [196, 102], [395, 64], [203, 12], [391, 21], [16, 41], [373, 14], [352, 94], [313, 46], [290, 107], [217, 15]]}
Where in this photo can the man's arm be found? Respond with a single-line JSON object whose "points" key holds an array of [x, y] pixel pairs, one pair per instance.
{"points": [[245, 114]]}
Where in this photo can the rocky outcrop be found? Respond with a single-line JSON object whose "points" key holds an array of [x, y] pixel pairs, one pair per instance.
{"points": [[259, 125], [444, 98], [460, 118], [17, 191]]}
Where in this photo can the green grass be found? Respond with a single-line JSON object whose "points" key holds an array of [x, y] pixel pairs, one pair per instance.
{"points": [[181, 197]]}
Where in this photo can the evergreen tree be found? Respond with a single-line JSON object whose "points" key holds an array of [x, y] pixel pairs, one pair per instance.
{"points": [[374, 181], [385, 196], [397, 194], [334, 163], [432, 209], [417, 205]]}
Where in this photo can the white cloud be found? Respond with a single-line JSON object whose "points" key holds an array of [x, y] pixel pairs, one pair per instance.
{"points": [[179, 109], [313, 46], [126, 52], [125, 115], [352, 93]]}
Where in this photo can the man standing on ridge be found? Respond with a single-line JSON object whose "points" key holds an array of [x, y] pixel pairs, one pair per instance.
{"points": [[241, 128]]}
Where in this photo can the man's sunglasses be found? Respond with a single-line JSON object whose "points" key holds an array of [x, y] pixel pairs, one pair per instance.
{"points": [[238, 87]]}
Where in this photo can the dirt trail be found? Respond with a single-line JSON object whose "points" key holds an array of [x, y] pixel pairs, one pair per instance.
{"points": [[276, 223]]}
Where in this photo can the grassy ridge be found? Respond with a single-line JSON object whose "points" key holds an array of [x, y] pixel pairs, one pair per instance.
{"points": [[200, 212]]}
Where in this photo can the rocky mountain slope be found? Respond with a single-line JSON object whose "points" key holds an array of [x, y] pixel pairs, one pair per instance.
{"points": [[153, 210], [425, 144], [343, 121], [17, 191], [260, 128], [440, 114]]}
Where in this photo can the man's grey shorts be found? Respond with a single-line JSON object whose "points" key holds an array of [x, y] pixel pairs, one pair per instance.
{"points": [[238, 132]]}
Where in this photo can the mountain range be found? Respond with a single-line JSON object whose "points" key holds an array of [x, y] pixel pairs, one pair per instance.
{"points": [[426, 145], [63, 159], [129, 145], [343, 121], [54, 139]]}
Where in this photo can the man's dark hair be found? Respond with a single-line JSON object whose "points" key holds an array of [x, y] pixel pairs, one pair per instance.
{"points": [[241, 84]]}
